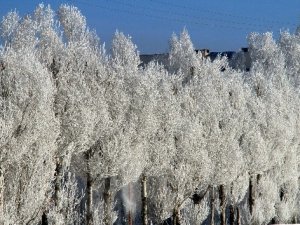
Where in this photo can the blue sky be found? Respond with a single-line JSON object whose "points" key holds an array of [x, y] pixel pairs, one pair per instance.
{"points": [[215, 24]]}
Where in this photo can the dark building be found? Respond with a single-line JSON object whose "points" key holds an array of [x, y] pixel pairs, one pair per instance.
{"points": [[159, 58], [164, 57]]}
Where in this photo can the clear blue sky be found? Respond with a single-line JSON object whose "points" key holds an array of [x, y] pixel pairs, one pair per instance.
{"points": [[215, 24]]}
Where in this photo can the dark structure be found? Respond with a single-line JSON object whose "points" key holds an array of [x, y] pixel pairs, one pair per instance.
{"points": [[159, 58], [163, 58], [228, 54]]}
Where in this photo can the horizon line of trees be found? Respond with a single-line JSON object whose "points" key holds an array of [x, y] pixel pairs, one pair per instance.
{"points": [[82, 130]]}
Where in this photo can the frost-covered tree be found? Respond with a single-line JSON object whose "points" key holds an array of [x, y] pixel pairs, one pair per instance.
{"points": [[75, 28], [27, 94], [18, 33], [66, 106], [273, 118], [124, 53], [274, 91], [116, 150], [124, 96], [222, 113], [49, 36], [290, 46], [9, 26], [182, 55], [68, 211], [78, 97], [28, 142], [160, 120]]}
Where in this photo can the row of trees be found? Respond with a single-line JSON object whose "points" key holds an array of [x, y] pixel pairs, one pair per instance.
{"points": [[79, 124]]}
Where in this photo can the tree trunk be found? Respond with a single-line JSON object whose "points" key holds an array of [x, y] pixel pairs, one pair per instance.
{"points": [[231, 215], [274, 220], [212, 206], [232, 207], [294, 220], [222, 197], [251, 194], [238, 216], [144, 200], [107, 201], [89, 195], [89, 190], [176, 218], [258, 177], [44, 219], [22, 180], [1, 195], [129, 211], [58, 180]]}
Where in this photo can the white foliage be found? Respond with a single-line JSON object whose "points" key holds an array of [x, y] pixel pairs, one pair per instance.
{"points": [[9, 25], [68, 210], [30, 144], [206, 124], [290, 46], [240, 187], [124, 53], [195, 214], [73, 22], [182, 55], [265, 203], [50, 44]]}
